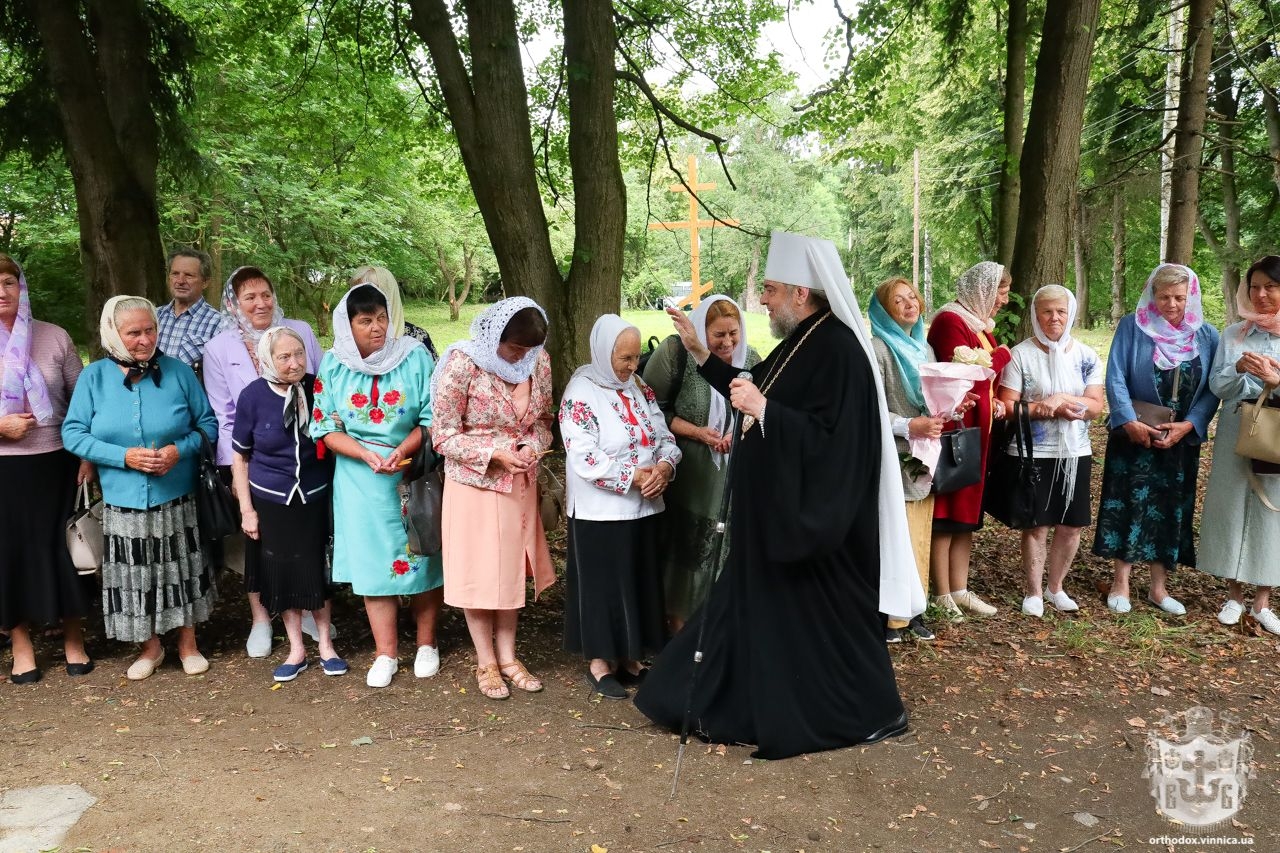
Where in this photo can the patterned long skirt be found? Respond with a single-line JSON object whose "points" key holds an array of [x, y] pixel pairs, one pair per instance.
{"points": [[155, 575]]}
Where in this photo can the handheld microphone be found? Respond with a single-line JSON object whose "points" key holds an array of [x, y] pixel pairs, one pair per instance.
{"points": [[746, 374]]}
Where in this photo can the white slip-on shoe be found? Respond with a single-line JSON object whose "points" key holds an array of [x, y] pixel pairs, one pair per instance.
{"points": [[259, 642], [143, 667], [1061, 601], [1268, 620], [381, 672], [1170, 605], [1033, 605], [427, 662], [309, 627], [1231, 612], [195, 664], [1118, 604], [970, 602]]}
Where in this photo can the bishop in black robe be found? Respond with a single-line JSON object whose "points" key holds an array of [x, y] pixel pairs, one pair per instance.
{"points": [[794, 659]]}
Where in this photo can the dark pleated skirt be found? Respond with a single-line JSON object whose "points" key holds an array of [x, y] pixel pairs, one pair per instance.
{"points": [[38, 583], [613, 590], [1051, 506], [288, 558]]}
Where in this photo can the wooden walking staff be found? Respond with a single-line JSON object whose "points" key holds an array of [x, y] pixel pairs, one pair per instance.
{"points": [[692, 225]]}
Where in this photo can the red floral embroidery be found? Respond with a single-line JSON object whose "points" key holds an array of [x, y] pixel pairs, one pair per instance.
{"points": [[318, 387], [400, 567], [391, 398], [317, 415], [376, 415], [649, 394], [359, 400]]}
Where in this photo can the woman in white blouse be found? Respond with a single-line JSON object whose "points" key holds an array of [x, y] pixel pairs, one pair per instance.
{"points": [[620, 456]]}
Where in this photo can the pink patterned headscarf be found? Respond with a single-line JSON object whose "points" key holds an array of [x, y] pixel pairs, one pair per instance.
{"points": [[1244, 307], [1173, 344], [23, 387]]}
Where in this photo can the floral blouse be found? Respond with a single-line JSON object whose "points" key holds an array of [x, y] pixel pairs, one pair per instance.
{"points": [[608, 434], [474, 415]]}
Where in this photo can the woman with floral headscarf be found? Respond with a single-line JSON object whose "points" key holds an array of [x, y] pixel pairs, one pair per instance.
{"points": [[249, 308], [619, 459], [1240, 539], [372, 395], [283, 485], [39, 367], [968, 321], [1160, 356], [492, 406], [1060, 380], [137, 414]]}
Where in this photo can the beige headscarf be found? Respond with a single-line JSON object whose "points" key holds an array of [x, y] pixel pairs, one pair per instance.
{"points": [[976, 292], [381, 278], [114, 344]]}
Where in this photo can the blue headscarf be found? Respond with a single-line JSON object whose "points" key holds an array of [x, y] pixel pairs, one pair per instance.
{"points": [[909, 350]]}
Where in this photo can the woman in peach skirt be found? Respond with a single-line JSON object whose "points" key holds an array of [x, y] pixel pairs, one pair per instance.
{"points": [[492, 405]]}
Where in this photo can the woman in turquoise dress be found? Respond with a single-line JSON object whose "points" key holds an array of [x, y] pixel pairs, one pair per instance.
{"points": [[372, 393]]}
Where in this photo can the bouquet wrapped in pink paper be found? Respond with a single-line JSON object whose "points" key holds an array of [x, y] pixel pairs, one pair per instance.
{"points": [[945, 385]]}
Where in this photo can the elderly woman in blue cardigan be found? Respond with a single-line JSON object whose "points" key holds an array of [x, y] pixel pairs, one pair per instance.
{"points": [[1161, 355], [137, 414]]}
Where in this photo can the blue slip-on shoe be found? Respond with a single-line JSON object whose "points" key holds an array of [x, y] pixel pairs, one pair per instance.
{"points": [[289, 671], [333, 666]]}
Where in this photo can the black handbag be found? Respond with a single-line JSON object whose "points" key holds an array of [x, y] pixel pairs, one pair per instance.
{"points": [[424, 499], [217, 510], [960, 464], [1010, 492]]}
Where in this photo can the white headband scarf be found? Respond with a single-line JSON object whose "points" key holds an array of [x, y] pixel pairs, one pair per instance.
{"points": [[344, 349], [1062, 380]]}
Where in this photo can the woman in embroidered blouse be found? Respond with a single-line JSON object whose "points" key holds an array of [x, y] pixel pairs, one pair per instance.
{"points": [[372, 394], [968, 321], [491, 412], [381, 278], [1160, 355], [137, 414], [231, 362], [620, 457], [39, 367], [1240, 538], [283, 488], [698, 417]]}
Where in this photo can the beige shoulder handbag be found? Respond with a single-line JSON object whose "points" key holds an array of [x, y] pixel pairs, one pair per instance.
{"points": [[1259, 438], [84, 534]]}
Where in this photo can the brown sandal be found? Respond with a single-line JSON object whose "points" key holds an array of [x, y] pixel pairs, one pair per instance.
{"points": [[519, 677], [490, 682]]}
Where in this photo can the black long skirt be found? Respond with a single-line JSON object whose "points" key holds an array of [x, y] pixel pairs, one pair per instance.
{"points": [[288, 557], [38, 583], [613, 606]]}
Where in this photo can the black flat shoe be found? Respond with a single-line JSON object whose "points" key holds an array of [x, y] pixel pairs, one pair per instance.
{"points": [[607, 686], [629, 679], [75, 670], [893, 729], [31, 676]]}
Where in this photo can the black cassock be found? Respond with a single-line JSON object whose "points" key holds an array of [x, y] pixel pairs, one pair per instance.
{"points": [[794, 658]]}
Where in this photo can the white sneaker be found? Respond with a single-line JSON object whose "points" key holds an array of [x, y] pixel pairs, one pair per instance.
{"points": [[1266, 619], [382, 670], [1033, 605], [259, 643], [1118, 604], [309, 627], [1231, 612], [1061, 601], [968, 601], [1170, 605], [427, 663], [949, 608]]}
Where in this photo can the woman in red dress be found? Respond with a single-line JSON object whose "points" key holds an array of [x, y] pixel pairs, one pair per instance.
{"points": [[968, 321]]}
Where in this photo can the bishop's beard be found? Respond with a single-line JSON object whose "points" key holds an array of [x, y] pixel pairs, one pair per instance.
{"points": [[782, 322]]}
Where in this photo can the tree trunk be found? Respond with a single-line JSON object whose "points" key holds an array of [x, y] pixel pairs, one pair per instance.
{"points": [[1271, 117], [1169, 120], [751, 293], [1184, 199], [104, 106], [1051, 155], [1118, 309], [449, 277], [1080, 236], [468, 276], [487, 101], [1227, 105], [1015, 85]]}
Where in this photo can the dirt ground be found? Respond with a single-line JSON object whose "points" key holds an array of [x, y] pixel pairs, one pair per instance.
{"points": [[1026, 735]]}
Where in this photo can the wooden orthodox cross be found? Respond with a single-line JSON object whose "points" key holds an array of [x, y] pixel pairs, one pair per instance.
{"points": [[692, 225]]}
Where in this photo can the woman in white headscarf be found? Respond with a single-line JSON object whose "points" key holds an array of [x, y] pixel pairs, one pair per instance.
{"points": [[701, 421], [619, 459], [1061, 379], [381, 278], [137, 414], [967, 321], [372, 394], [492, 405]]}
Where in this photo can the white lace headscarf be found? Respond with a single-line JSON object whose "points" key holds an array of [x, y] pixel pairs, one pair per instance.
{"points": [[719, 408], [344, 349], [486, 335], [976, 292], [295, 397], [1062, 378], [234, 318]]}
